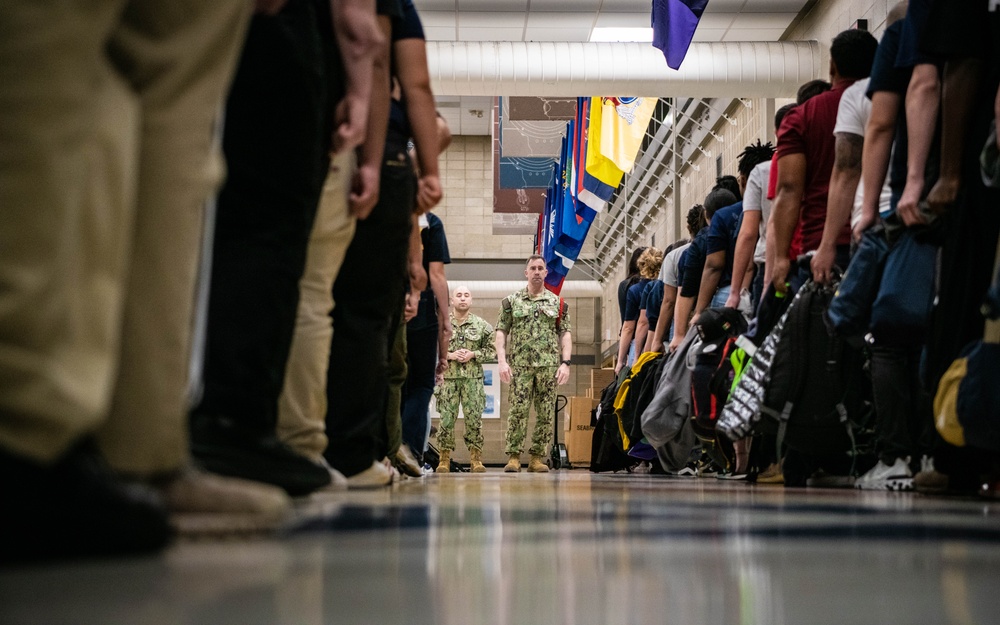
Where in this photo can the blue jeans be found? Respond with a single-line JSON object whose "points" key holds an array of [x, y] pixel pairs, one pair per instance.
{"points": [[720, 297]]}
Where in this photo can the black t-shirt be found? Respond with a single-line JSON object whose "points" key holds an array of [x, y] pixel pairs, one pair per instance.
{"points": [[887, 77], [910, 53], [435, 250], [389, 8], [406, 26]]}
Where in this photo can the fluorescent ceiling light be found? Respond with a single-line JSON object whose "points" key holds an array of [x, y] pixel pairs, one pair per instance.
{"points": [[622, 34]]}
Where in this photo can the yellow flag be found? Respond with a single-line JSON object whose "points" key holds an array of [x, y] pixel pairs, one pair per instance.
{"points": [[624, 123]]}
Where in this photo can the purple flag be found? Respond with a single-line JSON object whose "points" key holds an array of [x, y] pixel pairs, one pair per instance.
{"points": [[674, 23]]}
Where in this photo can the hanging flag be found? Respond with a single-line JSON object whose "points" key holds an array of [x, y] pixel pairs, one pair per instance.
{"points": [[674, 23], [623, 127], [601, 176]]}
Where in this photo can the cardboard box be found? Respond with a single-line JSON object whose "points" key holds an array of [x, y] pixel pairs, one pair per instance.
{"points": [[600, 378], [579, 410], [579, 441]]}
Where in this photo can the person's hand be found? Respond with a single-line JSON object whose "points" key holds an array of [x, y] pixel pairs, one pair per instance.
{"points": [[618, 367], [733, 301], [506, 375], [412, 306], [943, 195], [364, 191], [429, 193], [909, 203], [562, 374], [350, 123], [866, 222], [442, 366], [779, 274], [675, 342], [268, 7], [822, 264]]}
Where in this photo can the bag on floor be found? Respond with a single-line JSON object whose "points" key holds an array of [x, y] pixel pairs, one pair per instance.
{"points": [[816, 381], [665, 422], [967, 404], [605, 451], [718, 328]]}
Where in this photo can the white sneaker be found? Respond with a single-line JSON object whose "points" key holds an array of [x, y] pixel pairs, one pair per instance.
{"points": [[885, 477], [375, 476]]}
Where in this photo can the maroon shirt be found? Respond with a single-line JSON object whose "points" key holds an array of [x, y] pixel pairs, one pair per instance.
{"points": [[808, 129]]}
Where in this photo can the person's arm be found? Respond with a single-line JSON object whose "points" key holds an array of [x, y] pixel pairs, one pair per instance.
{"points": [[923, 98], [410, 56], [746, 243], [361, 40], [655, 343], [682, 315], [439, 284], [840, 200], [879, 135], [364, 192], [961, 82], [715, 263], [628, 331], [785, 214], [566, 351], [487, 351], [641, 330], [501, 347]]}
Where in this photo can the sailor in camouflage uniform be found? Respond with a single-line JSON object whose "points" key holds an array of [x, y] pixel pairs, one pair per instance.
{"points": [[537, 322], [471, 345]]}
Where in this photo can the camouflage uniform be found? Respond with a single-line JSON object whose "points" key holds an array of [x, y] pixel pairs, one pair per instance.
{"points": [[463, 383], [533, 354]]}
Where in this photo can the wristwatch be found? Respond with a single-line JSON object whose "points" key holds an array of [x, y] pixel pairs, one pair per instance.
{"points": [[565, 362]]}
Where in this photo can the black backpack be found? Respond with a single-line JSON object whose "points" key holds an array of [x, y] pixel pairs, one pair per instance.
{"points": [[816, 388], [606, 451]]}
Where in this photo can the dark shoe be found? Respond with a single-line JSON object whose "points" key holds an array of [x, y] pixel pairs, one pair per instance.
{"points": [[221, 446], [75, 508]]}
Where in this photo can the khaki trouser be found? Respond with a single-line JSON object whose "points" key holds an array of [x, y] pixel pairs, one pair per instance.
{"points": [[106, 120], [302, 405]]}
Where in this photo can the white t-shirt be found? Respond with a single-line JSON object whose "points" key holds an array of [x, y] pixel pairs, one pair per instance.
{"points": [[852, 117], [755, 199], [670, 272]]}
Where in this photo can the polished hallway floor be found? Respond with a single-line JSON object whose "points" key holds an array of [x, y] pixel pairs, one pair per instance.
{"points": [[564, 548]]}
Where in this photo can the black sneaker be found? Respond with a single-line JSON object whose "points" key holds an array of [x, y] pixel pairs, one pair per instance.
{"points": [[221, 446], [75, 508]]}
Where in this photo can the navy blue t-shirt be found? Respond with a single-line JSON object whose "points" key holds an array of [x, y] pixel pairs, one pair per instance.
{"points": [[693, 264], [722, 234], [654, 299], [886, 76], [633, 299]]}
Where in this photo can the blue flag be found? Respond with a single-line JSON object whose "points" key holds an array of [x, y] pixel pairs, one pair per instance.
{"points": [[674, 23]]}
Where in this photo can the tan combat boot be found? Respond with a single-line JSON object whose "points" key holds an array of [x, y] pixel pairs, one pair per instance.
{"points": [[537, 466], [476, 461], [513, 465], [444, 466]]}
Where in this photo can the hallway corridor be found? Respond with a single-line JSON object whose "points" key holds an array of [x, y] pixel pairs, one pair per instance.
{"points": [[568, 548]]}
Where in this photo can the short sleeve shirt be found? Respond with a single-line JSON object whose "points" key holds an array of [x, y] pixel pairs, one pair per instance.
{"points": [[408, 24], [852, 118], [633, 299], [755, 199], [653, 303], [389, 8], [808, 129], [722, 234], [693, 265], [533, 328], [671, 266], [886, 77]]}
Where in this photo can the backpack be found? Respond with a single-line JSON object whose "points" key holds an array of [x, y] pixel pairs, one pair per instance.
{"points": [[816, 381], [718, 329], [606, 453]]}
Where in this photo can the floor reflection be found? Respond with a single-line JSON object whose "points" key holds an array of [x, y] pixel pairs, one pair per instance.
{"points": [[568, 548]]}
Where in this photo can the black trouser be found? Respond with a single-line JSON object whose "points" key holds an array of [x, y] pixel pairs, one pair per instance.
{"points": [[904, 421], [421, 360], [276, 144], [366, 301]]}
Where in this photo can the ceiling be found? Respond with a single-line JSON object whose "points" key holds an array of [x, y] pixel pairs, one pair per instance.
{"points": [[574, 20]]}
